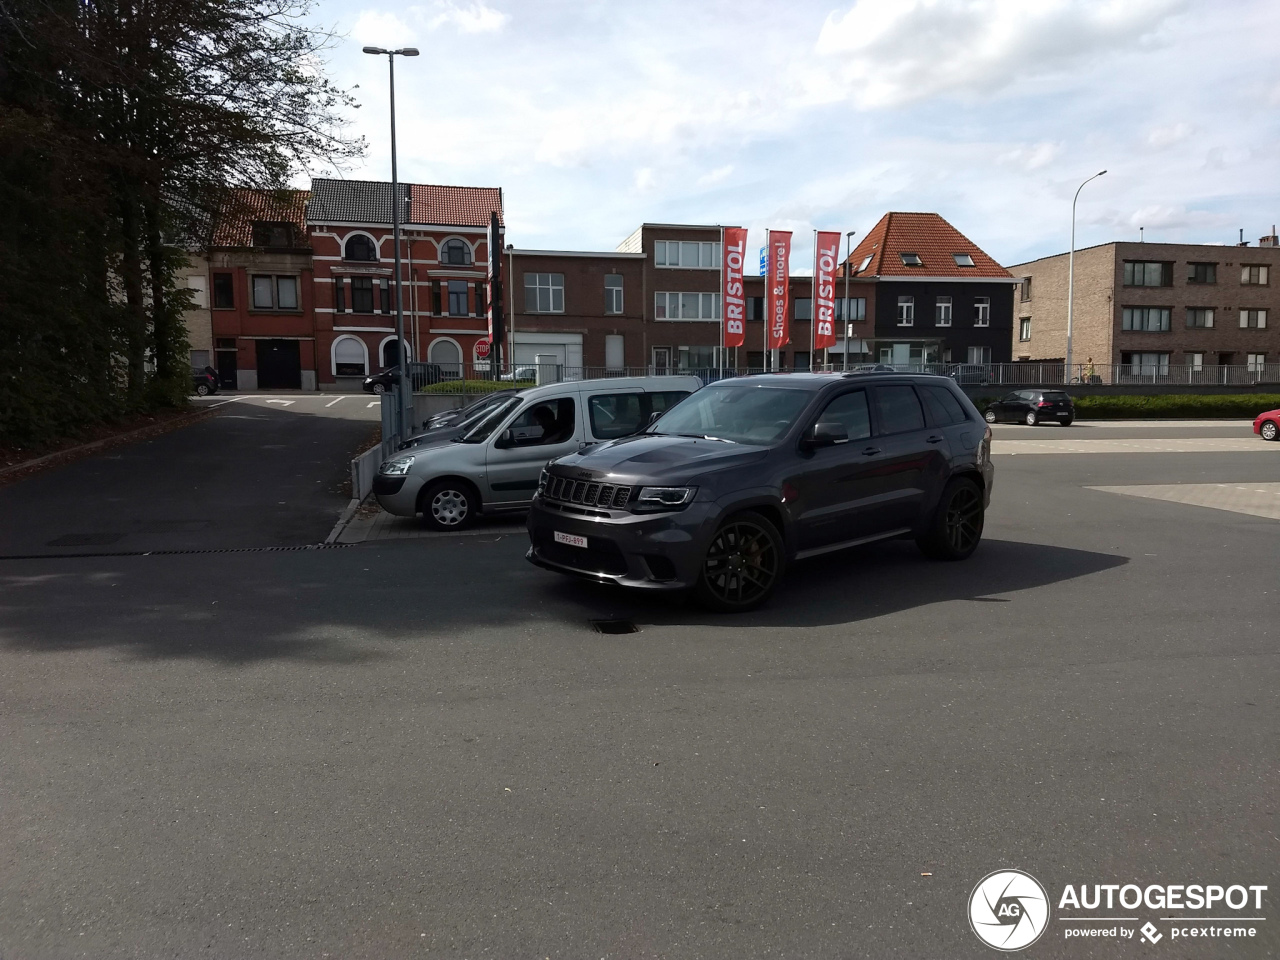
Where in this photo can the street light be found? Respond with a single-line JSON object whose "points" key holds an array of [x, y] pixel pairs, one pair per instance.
{"points": [[848, 322], [1071, 273], [404, 419]]}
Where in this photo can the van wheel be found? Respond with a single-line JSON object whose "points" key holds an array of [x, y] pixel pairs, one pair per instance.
{"points": [[956, 528], [449, 505], [743, 565]]}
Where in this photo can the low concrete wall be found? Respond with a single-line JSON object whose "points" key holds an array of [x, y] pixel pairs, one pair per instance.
{"points": [[363, 469]]}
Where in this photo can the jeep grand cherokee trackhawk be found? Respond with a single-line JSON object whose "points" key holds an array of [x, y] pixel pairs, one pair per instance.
{"points": [[732, 483]]}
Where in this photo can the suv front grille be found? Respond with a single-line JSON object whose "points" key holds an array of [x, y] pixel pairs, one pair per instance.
{"points": [[586, 493]]}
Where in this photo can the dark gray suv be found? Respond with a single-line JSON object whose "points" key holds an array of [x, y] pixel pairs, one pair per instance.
{"points": [[749, 473]]}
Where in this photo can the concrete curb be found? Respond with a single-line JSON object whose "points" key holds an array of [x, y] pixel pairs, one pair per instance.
{"points": [[350, 511]]}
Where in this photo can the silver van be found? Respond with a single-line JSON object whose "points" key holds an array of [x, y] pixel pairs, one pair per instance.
{"points": [[493, 466]]}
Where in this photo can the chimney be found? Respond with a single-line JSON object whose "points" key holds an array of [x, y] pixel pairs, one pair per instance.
{"points": [[1243, 242], [1270, 241]]}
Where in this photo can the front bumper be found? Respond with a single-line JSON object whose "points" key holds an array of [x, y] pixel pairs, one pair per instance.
{"points": [[398, 495], [650, 551]]}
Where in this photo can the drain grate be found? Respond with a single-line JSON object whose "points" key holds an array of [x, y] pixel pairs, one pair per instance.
{"points": [[987, 599], [614, 626], [86, 540]]}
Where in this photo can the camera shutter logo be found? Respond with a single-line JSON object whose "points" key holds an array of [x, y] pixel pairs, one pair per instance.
{"points": [[1009, 910]]}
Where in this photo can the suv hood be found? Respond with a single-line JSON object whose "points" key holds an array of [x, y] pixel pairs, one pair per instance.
{"points": [[661, 458]]}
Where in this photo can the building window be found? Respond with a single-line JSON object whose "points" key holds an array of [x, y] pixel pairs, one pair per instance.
{"points": [[942, 311], [1146, 319], [1256, 362], [339, 295], [1202, 273], [1253, 319], [1024, 329], [804, 308], [613, 293], [800, 360], [350, 358], [224, 297], [456, 253], [482, 299], [1141, 273], [458, 298], [906, 311], [1146, 364], [962, 259], [857, 309], [911, 260], [697, 358], [864, 264], [683, 253], [981, 311], [1200, 317], [362, 294], [979, 355], [755, 308], [359, 247], [384, 290], [1195, 361], [275, 293], [544, 292], [437, 306], [1024, 289], [686, 306], [1254, 275], [279, 235]]}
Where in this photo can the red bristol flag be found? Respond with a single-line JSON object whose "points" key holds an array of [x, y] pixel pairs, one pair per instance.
{"points": [[826, 256], [776, 287], [735, 303]]}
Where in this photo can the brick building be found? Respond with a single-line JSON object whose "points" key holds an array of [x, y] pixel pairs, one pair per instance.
{"points": [[260, 293], [444, 261], [932, 295], [1154, 306]]}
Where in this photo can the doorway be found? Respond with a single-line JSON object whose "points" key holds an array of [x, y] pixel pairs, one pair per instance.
{"points": [[279, 365], [225, 359], [661, 360]]}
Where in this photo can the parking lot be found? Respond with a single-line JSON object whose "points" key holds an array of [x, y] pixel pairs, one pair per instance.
{"points": [[422, 747]]}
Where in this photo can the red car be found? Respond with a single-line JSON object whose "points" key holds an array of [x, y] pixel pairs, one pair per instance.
{"points": [[1267, 425]]}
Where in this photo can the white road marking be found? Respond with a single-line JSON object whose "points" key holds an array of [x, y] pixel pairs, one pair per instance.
{"points": [[283, 403], [1150, 445], [375, 403], [332, 402], [221, 403]]}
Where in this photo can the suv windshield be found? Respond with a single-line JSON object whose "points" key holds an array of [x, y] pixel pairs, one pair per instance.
{"points": [[488, 422], [743, 414]]}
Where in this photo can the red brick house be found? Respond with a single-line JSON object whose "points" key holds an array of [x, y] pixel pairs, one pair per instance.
{"points": [[444, 262]]}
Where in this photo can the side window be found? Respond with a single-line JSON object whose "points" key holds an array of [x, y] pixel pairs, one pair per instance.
{"points": [[851, 410], [1013, 397], [664, 401], [943, 406], [616, 415], [544, 423], [898, 410]]}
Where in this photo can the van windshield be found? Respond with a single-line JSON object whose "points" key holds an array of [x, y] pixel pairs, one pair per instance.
{"points": [[742, 414]]}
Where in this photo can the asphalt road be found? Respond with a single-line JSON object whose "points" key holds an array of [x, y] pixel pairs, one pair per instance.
{"points": [[423, 749]]}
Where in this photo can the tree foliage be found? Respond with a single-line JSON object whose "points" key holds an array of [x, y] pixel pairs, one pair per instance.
{"points": [[124, 124]]}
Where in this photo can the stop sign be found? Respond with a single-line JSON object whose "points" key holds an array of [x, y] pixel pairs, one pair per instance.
{"points": [[482, 348]]}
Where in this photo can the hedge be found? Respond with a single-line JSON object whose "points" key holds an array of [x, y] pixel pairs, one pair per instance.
{"points": [[1170, 406], [473, 386]]}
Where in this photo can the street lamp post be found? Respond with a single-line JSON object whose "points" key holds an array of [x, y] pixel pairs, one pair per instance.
{"points": [[848, 320], [404, 419], [1071, 274]]}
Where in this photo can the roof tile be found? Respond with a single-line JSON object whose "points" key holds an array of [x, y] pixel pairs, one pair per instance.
{"points": [[929, 236], [369, 201], [243, 207]]}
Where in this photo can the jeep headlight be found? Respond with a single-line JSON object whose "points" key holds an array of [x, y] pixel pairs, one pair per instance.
{"points": [[664, 498], [542, 481], [397, 467]]}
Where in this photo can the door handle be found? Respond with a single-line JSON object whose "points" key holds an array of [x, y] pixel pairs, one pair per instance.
{"points": [[870, 451], [934, 440]]}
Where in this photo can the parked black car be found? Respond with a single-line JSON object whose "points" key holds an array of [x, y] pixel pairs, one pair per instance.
{"points": [[1032, 407], [450, 422], [748, 474], [204, 382], [420, 374]]}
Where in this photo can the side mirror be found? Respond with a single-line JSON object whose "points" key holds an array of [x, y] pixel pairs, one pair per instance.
{"points": [[652, 418], [508, 439], [825, 433]]}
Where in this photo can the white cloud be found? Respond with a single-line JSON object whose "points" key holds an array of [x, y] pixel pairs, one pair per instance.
{"points": [[892, 53], [644, 179], [1161, 137], [474, 17], [378, 29], [718, 175], [1031, 156]]}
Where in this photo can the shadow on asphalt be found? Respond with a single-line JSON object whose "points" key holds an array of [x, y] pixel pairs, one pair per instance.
{"points": [[368, 603]]}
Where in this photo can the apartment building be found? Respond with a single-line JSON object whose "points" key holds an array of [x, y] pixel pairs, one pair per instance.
{"points": [[1151, 307]]}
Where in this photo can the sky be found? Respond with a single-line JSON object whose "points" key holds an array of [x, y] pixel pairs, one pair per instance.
{"points": [[596, 116]]}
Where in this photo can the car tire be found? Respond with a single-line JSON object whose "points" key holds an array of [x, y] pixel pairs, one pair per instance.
{"points": [[989, 416], [379, 389], [746, 543], [955, 529], [1269, 430], [1031, 419], [202, 389], [1067, 422], [449, 505]]}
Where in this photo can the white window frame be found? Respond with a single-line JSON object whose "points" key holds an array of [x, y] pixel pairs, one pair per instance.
{"points": [[1264, 274], [274, 281], [1256, 362], [1195, 360], [1208, 318], [982, 311], [678, 254], [1024, 329], [906, 311], [963, 259], [942, 311], [613, 298], [1165, 315], [333, 355], [979, 355], [1253, 319], [553, 283], [686, 305]]}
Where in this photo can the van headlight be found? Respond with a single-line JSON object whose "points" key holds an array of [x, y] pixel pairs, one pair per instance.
{"points": [[397, 467], [664, 498]]}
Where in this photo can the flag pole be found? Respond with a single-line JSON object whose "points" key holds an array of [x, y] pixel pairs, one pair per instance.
{"points": [[764, 306], [813, 307], [720, 352]]}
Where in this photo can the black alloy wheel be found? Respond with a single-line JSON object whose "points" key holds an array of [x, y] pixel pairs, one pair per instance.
{"points": [[1269, 430], [743, 565], [956, 529], [1067, 422], [379, 388], [202, 389]]}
